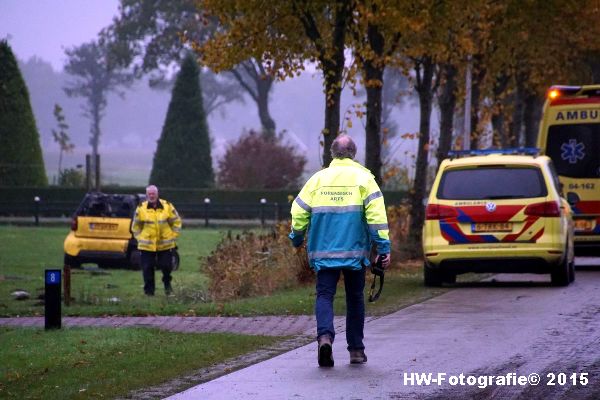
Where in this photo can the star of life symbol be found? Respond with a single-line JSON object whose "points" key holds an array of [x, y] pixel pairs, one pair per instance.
{"points": [[490, 207], [572, 151]]}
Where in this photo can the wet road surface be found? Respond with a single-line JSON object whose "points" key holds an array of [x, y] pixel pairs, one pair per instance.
{"points": [[508, 328]]}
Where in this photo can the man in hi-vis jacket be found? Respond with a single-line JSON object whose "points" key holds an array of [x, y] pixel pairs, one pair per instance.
{"points": [[343, 209], [156, 225]]}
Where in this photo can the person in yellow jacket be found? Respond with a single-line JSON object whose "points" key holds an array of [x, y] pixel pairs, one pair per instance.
{"points": [[344, 212], [156, 225]]}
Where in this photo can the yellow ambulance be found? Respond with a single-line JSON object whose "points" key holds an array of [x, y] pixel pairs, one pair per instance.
{"points": [[497, 210], [570, 135]]}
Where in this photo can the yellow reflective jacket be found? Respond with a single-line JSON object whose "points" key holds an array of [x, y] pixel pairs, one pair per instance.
{"points": [[344, 211], [156, 229]]}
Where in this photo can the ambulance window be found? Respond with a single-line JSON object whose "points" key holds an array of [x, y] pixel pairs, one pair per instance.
{"points": [[575, 150], [492, 183]]}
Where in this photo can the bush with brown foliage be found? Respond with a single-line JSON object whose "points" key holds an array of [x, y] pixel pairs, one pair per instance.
{"points": [[257, 161], [398, 222], [252, 264]]}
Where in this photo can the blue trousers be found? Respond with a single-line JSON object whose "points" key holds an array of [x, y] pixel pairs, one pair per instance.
{"points": [[354, 283]]}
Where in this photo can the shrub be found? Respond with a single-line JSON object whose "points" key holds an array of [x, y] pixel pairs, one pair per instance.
{"points": [[71, 177], [252, 264], [257, 161], [183, 158], [398, 222], [21, 161]]}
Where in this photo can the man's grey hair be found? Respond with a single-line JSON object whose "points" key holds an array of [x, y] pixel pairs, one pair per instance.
{"points": [[343, 147], [151, 187]]}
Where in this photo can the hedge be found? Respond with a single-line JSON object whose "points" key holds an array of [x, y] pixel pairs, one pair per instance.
{"points": [[59, 201]]}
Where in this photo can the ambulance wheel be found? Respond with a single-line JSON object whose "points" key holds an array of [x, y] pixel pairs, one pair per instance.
{"points": [[449, 277], [560, 275], [431, 277]]}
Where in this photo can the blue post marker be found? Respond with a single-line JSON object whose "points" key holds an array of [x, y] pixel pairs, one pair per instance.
{"points": [[52, 309]]}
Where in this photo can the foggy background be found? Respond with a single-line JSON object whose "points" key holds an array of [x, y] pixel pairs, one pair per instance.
{"points": [[39, 31]]}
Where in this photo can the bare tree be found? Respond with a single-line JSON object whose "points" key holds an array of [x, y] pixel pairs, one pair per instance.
{"points": [[95, 73], [61, 136]]}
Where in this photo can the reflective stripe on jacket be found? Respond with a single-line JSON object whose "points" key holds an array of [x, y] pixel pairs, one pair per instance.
{"points": [[345, 212], [156, 229]]}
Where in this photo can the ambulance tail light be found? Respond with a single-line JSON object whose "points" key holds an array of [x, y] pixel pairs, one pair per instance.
{"points": [[437, 211], [546, 209]]}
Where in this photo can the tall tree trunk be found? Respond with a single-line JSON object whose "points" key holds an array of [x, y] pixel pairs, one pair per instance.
{"points": [[331, 56], [333, 90], [593, 62], [478, 77], [498, 117], [424, 88], [596, 73], [499, 135], [447, 102], [96, 108], [374, 84], [95, 141], [531, 116], [262, 101], [373, 128], [263, 82], [517, 116]]}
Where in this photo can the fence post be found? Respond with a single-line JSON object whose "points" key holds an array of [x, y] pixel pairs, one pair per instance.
{"points": [[88, 172], [67, 284], [206, 206], [36, 210], [97, 173], [263, 203]]}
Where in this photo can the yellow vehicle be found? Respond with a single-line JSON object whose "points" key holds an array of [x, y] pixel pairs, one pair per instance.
{"points": [[570, 135], [497, 211], [101, 232]]}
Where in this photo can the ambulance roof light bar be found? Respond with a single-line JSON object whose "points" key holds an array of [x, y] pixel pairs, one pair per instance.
{"points": [[529, 151], [556, 91]]}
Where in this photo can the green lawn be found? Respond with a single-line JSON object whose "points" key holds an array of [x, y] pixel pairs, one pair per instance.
{"points": [[119, 291], [82, 363], [96, 292]]}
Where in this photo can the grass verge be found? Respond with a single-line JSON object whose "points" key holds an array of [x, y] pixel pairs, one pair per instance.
{"points": [[27, 251], [403, 287], [81, 363], [98, 292]]}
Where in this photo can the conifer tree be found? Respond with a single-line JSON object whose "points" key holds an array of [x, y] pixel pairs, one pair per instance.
{"points": [[21, 161], [182, 157]]}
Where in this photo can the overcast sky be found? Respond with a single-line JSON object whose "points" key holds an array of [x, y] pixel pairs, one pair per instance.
{"points": [[44, 28]]}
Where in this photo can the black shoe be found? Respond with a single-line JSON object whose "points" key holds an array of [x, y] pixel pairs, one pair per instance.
{"points": [[358, 357], [168, 290], [149, 293], [325, 352]]}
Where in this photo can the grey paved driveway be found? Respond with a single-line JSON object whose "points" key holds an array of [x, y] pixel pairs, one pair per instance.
{"points": [[517, 324]]}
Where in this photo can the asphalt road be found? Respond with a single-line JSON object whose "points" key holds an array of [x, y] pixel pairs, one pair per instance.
{"points": [[508, 329]]}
